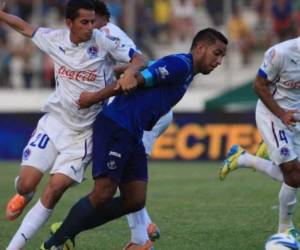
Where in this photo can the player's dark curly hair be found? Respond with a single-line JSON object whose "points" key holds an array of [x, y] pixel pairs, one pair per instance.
{"points": [[73, 7], [209, 35], [101, 8]]}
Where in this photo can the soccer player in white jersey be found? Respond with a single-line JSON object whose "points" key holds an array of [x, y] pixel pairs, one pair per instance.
{"points": [[62, 141], [139, 222], [278, 86]]}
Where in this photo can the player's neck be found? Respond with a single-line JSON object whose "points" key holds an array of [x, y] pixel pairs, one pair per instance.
{"points": [[74, 39]]}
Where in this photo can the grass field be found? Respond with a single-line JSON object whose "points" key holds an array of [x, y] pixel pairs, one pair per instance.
{"points": [[194, 210]]}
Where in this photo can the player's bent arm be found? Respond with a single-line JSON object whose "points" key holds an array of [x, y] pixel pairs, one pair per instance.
{"points": [[119, 70], [263, 92], [88, 99], [128, 81], [17, 24]]}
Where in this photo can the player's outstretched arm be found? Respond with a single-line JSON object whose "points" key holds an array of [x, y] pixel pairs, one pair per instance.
{"points": [[88, 99], [15, 22]]}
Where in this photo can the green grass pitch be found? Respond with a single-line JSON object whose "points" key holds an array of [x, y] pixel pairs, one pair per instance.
{"points": [[194, 210]]}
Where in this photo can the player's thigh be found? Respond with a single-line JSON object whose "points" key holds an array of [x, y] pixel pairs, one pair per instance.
{"points": [[278, 137], [136, 168], [112, 146], [40, 151]]}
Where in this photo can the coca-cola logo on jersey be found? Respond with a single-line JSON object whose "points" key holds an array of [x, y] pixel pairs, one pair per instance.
{"points": [[290, 84], [86, 76]]}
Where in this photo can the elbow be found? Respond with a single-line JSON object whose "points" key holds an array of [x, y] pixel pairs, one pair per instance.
{"points": [[139, 60]]}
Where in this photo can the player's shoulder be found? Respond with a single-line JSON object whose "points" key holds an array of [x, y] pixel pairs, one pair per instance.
{"points": [[114, 32], [179, 59], [101, 35], [111, 29], [286, 47]]}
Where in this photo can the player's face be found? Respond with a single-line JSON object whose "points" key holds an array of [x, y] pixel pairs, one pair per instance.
{"points": [[210, 56], [82, 27]]}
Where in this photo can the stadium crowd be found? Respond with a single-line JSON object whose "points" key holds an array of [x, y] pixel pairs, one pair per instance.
{"points": [[156, 21]]}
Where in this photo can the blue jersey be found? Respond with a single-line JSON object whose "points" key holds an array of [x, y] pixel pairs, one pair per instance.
{"points": [[166, 82]]}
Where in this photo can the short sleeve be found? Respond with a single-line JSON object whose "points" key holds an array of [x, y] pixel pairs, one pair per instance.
{"points": [[42, 38], [120, 51], [272, 63]]}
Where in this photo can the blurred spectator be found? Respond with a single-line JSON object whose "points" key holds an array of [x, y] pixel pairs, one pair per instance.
{"points": [[116, 9], [282, 19], [57, 5], [149, 22], [144, 27], [215, 11], [48, 71], [27, 69], [162, 12], [183, 19], [296, 17], [240, 33], [263, 29], [4, 58], [24, 9]]}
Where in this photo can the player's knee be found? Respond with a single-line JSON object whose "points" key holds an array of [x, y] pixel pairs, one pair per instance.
{"points": [[101, 195], [293, 178], [104, 190], [24, 187], [135, 204], [100, 198]]}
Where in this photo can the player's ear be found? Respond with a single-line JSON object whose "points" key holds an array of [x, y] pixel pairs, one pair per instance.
{"points": [[69, 22], [200, 48]]}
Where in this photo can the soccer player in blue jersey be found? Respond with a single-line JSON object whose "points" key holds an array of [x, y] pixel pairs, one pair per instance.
{"points": [[119, 158]]}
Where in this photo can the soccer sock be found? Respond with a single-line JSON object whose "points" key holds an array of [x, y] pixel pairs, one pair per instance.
{"points": [[287, 205], [32, 222], [265, 166], [138, 223], [83, 216]]}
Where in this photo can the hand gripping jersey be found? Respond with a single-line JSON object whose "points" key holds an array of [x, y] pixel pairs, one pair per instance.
{"points": [[162, 124], [168, 78], [78, 68], [281, 65]]}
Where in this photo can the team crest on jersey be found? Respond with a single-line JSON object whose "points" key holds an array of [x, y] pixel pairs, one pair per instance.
{"points": [[26, 154], [269, 57], [92, 51], [284, 151], [163, 72]]}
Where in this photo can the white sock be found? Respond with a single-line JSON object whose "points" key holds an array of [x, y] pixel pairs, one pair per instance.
{"points": [[138, 223], [287, 205], [28, 196], [265, 166], [32, 222]]}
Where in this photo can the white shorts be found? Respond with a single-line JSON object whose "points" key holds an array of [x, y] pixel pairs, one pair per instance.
{"points": [[161, 125], [59, 149], [283, 142]]}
